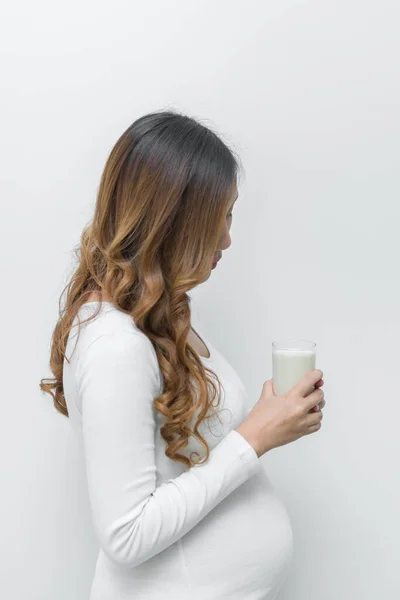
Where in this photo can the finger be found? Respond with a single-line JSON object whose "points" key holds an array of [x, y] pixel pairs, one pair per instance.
{"points": [[313, 419], [319, 383], [313, 399], [306, 384], [319, 406]]}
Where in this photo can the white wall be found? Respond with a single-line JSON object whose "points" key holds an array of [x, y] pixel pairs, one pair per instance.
{"points": [[308, 92]]}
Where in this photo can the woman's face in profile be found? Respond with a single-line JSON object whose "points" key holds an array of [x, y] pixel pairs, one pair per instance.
{"points": [[225, 240]]}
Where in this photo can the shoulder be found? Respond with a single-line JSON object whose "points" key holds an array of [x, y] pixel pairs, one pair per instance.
{"points": [[112, 338], [90, 324]]}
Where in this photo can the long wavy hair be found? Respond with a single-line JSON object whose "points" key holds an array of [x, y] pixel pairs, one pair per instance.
{"points": [[160, 211]]}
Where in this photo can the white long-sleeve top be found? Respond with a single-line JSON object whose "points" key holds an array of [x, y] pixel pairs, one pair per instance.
{"points": [[215, 532]]}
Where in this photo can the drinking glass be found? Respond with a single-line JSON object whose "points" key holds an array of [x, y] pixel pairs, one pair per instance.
{"points": [[291, 360]]}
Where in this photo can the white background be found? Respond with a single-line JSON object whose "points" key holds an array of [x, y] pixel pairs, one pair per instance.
{"points": [[308, 93]]}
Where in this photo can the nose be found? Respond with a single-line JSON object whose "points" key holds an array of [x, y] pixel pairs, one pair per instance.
{"points": [[225, 241]]}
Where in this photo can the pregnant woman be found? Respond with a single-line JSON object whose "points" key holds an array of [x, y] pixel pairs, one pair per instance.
{"points": [[181, 504]]}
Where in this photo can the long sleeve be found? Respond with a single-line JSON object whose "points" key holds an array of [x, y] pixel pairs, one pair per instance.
{"points": [[117, 380]]}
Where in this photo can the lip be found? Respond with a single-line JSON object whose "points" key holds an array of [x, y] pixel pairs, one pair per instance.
{"points": [[216, 261]]}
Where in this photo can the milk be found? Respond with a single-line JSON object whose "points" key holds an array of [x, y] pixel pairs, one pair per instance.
{"points": [[289, 366]]}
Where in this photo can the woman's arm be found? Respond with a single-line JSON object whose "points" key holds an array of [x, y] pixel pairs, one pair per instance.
{"points": [[118, 378]]}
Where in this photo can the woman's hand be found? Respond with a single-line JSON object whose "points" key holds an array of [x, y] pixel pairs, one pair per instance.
{"points": [[277, 420]]}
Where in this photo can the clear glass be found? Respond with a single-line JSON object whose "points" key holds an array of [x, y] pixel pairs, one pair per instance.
{"points": [[291, 360]]}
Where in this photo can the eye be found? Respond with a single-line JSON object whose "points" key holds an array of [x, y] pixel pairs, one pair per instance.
{"points": [[230, 214]]}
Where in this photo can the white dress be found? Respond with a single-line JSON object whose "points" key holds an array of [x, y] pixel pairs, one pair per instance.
{"points": [[214, 532]]}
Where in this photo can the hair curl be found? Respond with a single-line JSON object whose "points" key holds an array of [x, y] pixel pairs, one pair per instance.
{"points": [[160, 211]]}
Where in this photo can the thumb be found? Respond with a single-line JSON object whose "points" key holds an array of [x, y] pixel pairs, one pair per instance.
{"points": [[270, 385]]}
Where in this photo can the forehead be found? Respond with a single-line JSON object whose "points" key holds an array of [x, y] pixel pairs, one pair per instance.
{"points": [[235, 193]]}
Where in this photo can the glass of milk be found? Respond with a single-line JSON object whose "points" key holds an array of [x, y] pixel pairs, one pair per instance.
{"points": [[291, 360]]}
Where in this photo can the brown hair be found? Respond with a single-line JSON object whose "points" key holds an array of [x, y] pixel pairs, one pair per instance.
{"points": [[160, 211]]}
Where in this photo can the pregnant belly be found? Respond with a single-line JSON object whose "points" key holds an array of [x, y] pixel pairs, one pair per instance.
{"points": [[243, 548]]}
